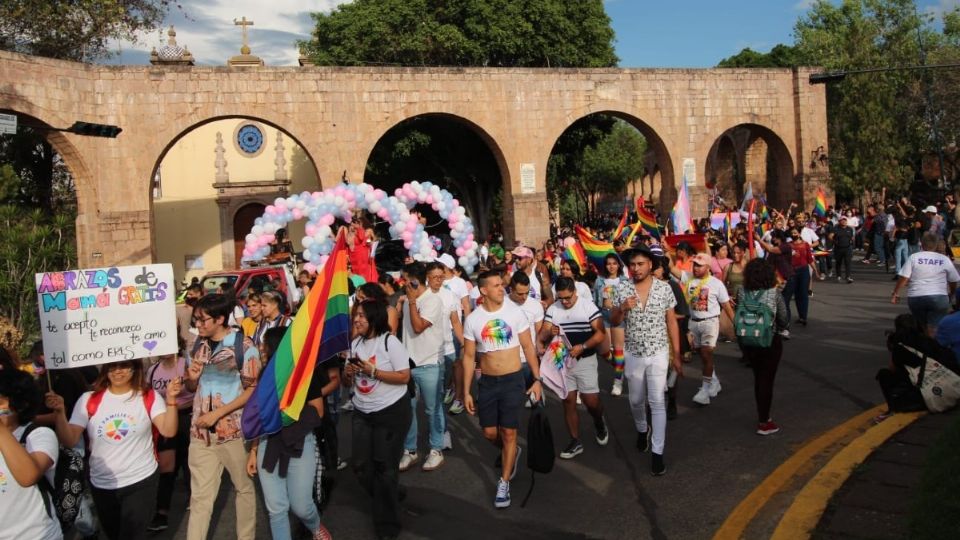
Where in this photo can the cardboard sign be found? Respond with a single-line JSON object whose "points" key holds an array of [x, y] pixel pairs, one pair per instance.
{"points": [[101, 315]]}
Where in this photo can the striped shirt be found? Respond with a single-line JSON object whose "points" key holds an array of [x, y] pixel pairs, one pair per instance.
{"points": [[575, 321]]}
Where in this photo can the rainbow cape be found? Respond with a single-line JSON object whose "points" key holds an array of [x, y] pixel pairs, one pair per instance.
{"points": [[820, 207], [320, 330], [574, 252], [595, 249]]}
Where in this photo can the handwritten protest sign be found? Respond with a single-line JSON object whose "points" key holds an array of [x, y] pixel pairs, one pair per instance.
{"points": [[100, 315]]}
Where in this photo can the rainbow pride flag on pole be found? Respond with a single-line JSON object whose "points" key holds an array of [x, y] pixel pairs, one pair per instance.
{"points": [[621, 225], [820, 207], [595, 249], [320, 330], [682, 222], [574, 252], [648, 222]]}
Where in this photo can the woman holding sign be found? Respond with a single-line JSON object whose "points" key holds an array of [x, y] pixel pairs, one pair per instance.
{"points": [[119, 416]]}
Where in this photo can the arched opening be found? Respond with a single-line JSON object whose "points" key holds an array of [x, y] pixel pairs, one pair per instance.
{"points": [[750, 156], [39, 171], [210, 182], [602, 162], [449, 151], [242, 224]]}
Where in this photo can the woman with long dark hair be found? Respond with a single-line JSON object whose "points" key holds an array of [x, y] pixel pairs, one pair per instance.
{"points": [[760, 285], [606, 285], [378, 370], [119, 416]]}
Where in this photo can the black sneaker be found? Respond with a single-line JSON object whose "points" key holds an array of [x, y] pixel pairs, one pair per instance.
{"points": [[572, 450], [643, 443], [158, 524], [657, 467], [602, 435]]}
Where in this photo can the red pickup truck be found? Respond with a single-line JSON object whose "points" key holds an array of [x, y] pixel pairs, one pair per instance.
{"points": [[259, 278]]}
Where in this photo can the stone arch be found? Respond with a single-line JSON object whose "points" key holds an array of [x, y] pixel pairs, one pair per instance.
{"points": [[479, 206], [759, 157], [230, 197], [658, 144]]}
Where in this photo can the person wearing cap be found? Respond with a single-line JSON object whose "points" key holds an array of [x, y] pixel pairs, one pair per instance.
{"points": [[458, 289], [707, 297], [539, 287], [843, 242], [934, 222], [645, 306]]}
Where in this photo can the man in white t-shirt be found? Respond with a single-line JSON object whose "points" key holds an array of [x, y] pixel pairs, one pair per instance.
{"points": [[539, 287], [423, 326], [931, 281], [809, 235], [520, 296], [452, 336], [459, 290], [707, 297], [581, 323], [496, 331]]}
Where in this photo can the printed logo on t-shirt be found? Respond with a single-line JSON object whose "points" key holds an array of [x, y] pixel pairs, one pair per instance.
{"points": [[116, 427], [3, 482], [702, 301], [365, 384], [608, 292], [496, 333]]}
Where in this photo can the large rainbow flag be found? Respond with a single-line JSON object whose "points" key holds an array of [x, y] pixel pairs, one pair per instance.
{"points": [[320, 330], [648, 222], [820, 207], [682, 221], [574, 252], [595, 249]]}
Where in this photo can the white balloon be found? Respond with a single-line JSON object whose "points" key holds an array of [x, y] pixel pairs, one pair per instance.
{"points": [[307, 241]]}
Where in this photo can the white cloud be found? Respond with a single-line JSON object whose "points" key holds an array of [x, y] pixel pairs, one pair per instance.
{"points": [[804, 5], [207, 30]]}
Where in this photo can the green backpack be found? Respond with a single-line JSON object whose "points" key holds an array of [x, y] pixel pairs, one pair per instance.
{"points": [[753, 321]]}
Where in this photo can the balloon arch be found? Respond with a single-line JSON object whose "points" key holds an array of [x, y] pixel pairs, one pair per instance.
{"points": [[322, 208]]}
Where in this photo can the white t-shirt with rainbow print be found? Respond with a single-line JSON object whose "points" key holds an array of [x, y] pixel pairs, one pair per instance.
{"points": [[496, 331]]}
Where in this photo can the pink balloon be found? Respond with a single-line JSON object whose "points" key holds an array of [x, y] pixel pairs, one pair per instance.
{"points": [[470, 237], [460, 252], [412, 225], [456, 203], [327, 220], [383, 213], [297, 213], [310, 268], [407, 237], [569, 241], [269, 210], [311, 229], [429, 200], [381, 195], [348, 195], [282, 204]]}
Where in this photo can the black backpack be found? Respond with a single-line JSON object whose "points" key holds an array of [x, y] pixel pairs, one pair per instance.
{"points": [[69, 480], [540, 451]]}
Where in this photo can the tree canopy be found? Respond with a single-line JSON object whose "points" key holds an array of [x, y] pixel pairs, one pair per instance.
{"points": [[779, 56], [501, 33]]}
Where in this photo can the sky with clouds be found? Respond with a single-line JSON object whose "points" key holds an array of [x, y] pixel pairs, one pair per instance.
{"points": [[680, 33]]}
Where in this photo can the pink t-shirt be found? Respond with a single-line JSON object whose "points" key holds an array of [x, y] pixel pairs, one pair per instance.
{"points": [[159, 376]]}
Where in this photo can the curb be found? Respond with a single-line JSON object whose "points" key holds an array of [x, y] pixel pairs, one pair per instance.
{"points": [[803, 515]]}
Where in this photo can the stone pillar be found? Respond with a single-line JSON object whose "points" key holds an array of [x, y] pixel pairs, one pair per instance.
{"points": [[812, 151], [755, 167], [526, 218]]}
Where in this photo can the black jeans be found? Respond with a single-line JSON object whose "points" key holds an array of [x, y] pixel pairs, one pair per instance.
{"points": [[125, 512], [789, 289], [377, 447], [764, 361], [843, 256]]}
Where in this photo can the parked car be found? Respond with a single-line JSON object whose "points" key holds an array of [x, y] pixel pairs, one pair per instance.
{"points": [[258, 278]]}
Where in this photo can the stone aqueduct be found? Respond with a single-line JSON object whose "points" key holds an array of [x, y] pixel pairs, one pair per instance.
{"points": [[704, 118]]}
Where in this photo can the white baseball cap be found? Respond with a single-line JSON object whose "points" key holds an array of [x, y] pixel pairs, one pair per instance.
{"points": [[447, 260], [930, 210]]}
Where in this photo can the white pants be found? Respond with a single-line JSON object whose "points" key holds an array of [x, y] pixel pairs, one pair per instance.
{"points": [[647, 377]]}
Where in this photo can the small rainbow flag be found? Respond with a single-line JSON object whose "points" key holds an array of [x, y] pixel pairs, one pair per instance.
{"points": [[820, 207], [320, 330], [634, 229], [595, 249], [574, 252], [649, 223], [621, 225]]}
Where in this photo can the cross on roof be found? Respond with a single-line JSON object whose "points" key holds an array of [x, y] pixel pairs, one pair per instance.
{"points": [[243, 23]]}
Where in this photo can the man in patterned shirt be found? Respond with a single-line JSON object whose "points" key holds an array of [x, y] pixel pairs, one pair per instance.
{"points": [[646, 306]]}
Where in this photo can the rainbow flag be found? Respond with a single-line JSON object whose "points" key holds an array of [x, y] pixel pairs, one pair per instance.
{"points": [[574, 252], [320, 330], [595, 249], [820, 207], [633, 232], [621, 225], [682, 222], [649, 223]]}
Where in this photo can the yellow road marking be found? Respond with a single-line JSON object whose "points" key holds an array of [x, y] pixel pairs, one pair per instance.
{"points": [[804, 514], [738, 520]]}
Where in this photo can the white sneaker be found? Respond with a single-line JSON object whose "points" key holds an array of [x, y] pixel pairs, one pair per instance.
{"points": [[408, 459], [447, 441], [502, 500], [434, 460], [702, 398], [617, 388], [714, 388], [578, 399]]}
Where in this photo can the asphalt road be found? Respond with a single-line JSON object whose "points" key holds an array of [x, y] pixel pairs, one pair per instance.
{"points": [[713, 457]]}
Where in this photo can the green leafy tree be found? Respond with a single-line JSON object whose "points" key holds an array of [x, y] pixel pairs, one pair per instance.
{"points": [[779, 56]]}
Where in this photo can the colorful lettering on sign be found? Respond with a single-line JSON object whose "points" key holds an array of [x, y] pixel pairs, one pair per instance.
{"points": [[141, 294], [58, 301], [73, 280]]}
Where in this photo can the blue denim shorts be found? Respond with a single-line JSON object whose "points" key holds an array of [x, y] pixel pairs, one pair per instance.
{"points": [[606, 319]]}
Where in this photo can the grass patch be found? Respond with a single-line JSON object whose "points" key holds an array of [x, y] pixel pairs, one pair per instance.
{"points": [[934, 510]]}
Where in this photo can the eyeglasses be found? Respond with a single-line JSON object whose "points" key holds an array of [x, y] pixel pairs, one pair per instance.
{"points": [[201, 320], [119, 367], [564, 298]]}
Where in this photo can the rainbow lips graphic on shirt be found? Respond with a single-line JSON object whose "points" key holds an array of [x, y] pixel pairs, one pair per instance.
{"points": [[496, 333]]}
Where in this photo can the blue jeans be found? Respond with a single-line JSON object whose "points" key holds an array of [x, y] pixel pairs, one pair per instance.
{"points": [[427, 379], [928, 310], [901, 252], [295, 492], [878, 248]]}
